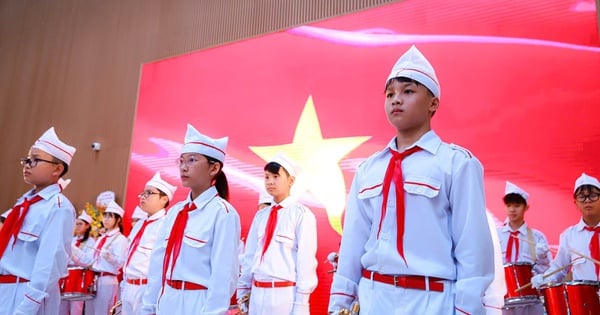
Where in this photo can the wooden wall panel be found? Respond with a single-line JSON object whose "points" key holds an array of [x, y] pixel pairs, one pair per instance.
{"points": [[75, 65]]}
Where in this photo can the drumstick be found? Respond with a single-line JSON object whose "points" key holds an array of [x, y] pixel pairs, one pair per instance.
{"points": [[546, 276], [596, 261], [531, 242]]}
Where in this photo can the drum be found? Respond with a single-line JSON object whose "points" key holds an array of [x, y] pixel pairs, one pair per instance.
{"points": [[554, 299], [518, 275], [79, 285], [582, 297]]}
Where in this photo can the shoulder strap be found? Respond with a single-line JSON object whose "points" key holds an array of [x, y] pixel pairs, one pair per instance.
{"points": [[531, 244]]}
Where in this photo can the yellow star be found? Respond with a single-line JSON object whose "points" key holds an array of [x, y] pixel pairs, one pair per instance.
{"points": [[318, 160]]}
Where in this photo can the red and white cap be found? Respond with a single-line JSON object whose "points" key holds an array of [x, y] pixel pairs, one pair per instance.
{"points": [[114, 208], [195, 142], [586, 179], [85, 217], [514, 189], [413, 65], [157, 182], [50, 144]]}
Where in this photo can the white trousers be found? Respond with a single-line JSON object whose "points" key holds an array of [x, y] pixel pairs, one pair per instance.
{"points": [[378, 298], [269, 301], [132, 299], [11, 296], [107, 295], [70, 307]]}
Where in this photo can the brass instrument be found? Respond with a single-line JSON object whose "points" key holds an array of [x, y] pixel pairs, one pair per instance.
{"points": [[243, 304], [116, 309], [354, 309]]}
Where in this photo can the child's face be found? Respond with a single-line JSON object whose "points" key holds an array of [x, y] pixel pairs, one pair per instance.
{"points": [[80, 227], [151, 201], [109, 221], [516, 211], [583, 201], [278, 185], [196, 171], [42, 170], [409, 106]]}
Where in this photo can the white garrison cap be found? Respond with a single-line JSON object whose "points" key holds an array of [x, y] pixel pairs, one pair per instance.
{"points": [[514, 189], [160, 184], [63, 183], [50, 144], [114, 208], [264, 197], [585, 179], [195, 142], [282, 159], [85, 217], [138, 213], [413, 65], [104, 198]]}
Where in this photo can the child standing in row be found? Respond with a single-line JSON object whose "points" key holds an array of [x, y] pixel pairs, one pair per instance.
{"points": [[279, 264]]}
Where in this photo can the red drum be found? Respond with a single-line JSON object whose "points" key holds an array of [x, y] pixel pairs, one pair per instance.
{"points": [[518, 275], [582, 297], [574, 298], [79, 285], [555, 300]]}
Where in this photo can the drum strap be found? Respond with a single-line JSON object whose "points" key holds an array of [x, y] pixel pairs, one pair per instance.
{"points": [[531, 246]]}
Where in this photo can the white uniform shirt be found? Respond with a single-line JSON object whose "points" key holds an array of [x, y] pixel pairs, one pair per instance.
{"points": [[446, 231], [576, 238], [116, 246], [291, 255], [525, 249], [208, 255], [42, 248], [140, 260], [86, 246]]}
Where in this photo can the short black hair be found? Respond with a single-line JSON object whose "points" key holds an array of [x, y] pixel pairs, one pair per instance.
{"points": [[273, 167], [514, 198], [409, 80], [585, 189]]}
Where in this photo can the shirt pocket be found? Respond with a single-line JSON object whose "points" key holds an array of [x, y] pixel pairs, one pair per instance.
{"points": [[286, 237], [422, 186], [370, 191], [195, 240], [29, 233]]}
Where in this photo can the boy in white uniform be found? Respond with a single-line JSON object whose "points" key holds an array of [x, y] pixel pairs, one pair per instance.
{"points": [[35, 242], [153, 201], [415, 238], [194, 265], [516, 239], [279, 264], [582, 238]]}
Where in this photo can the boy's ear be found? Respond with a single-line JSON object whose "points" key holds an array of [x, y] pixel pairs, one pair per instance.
{"points": [[58, 169], [435, 103]]}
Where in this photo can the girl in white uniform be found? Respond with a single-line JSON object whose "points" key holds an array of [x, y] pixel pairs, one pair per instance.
{"points": [[279, 264], [108, 257], [83, 241], [153, 202], [194, 265], [35, 242]]}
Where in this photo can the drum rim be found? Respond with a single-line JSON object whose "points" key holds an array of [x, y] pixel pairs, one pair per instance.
{"points": [[582, 282], [518, 263]]}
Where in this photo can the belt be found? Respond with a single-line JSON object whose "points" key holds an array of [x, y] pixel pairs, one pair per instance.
{"points": [[105, 274], [273, 284], [137, 281], [11, 279], [407, 282], [185, 285]]}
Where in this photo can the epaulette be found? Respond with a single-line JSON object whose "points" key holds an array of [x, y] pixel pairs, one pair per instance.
{"points": [[467, 153]]}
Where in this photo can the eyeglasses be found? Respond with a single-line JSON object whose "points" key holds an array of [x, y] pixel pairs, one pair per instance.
{"points": [[590, 197], [188, 162], [147, 194], [33, 162]]}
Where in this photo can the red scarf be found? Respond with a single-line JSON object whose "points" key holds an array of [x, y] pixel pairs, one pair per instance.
{"points": [[14, 221]]}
